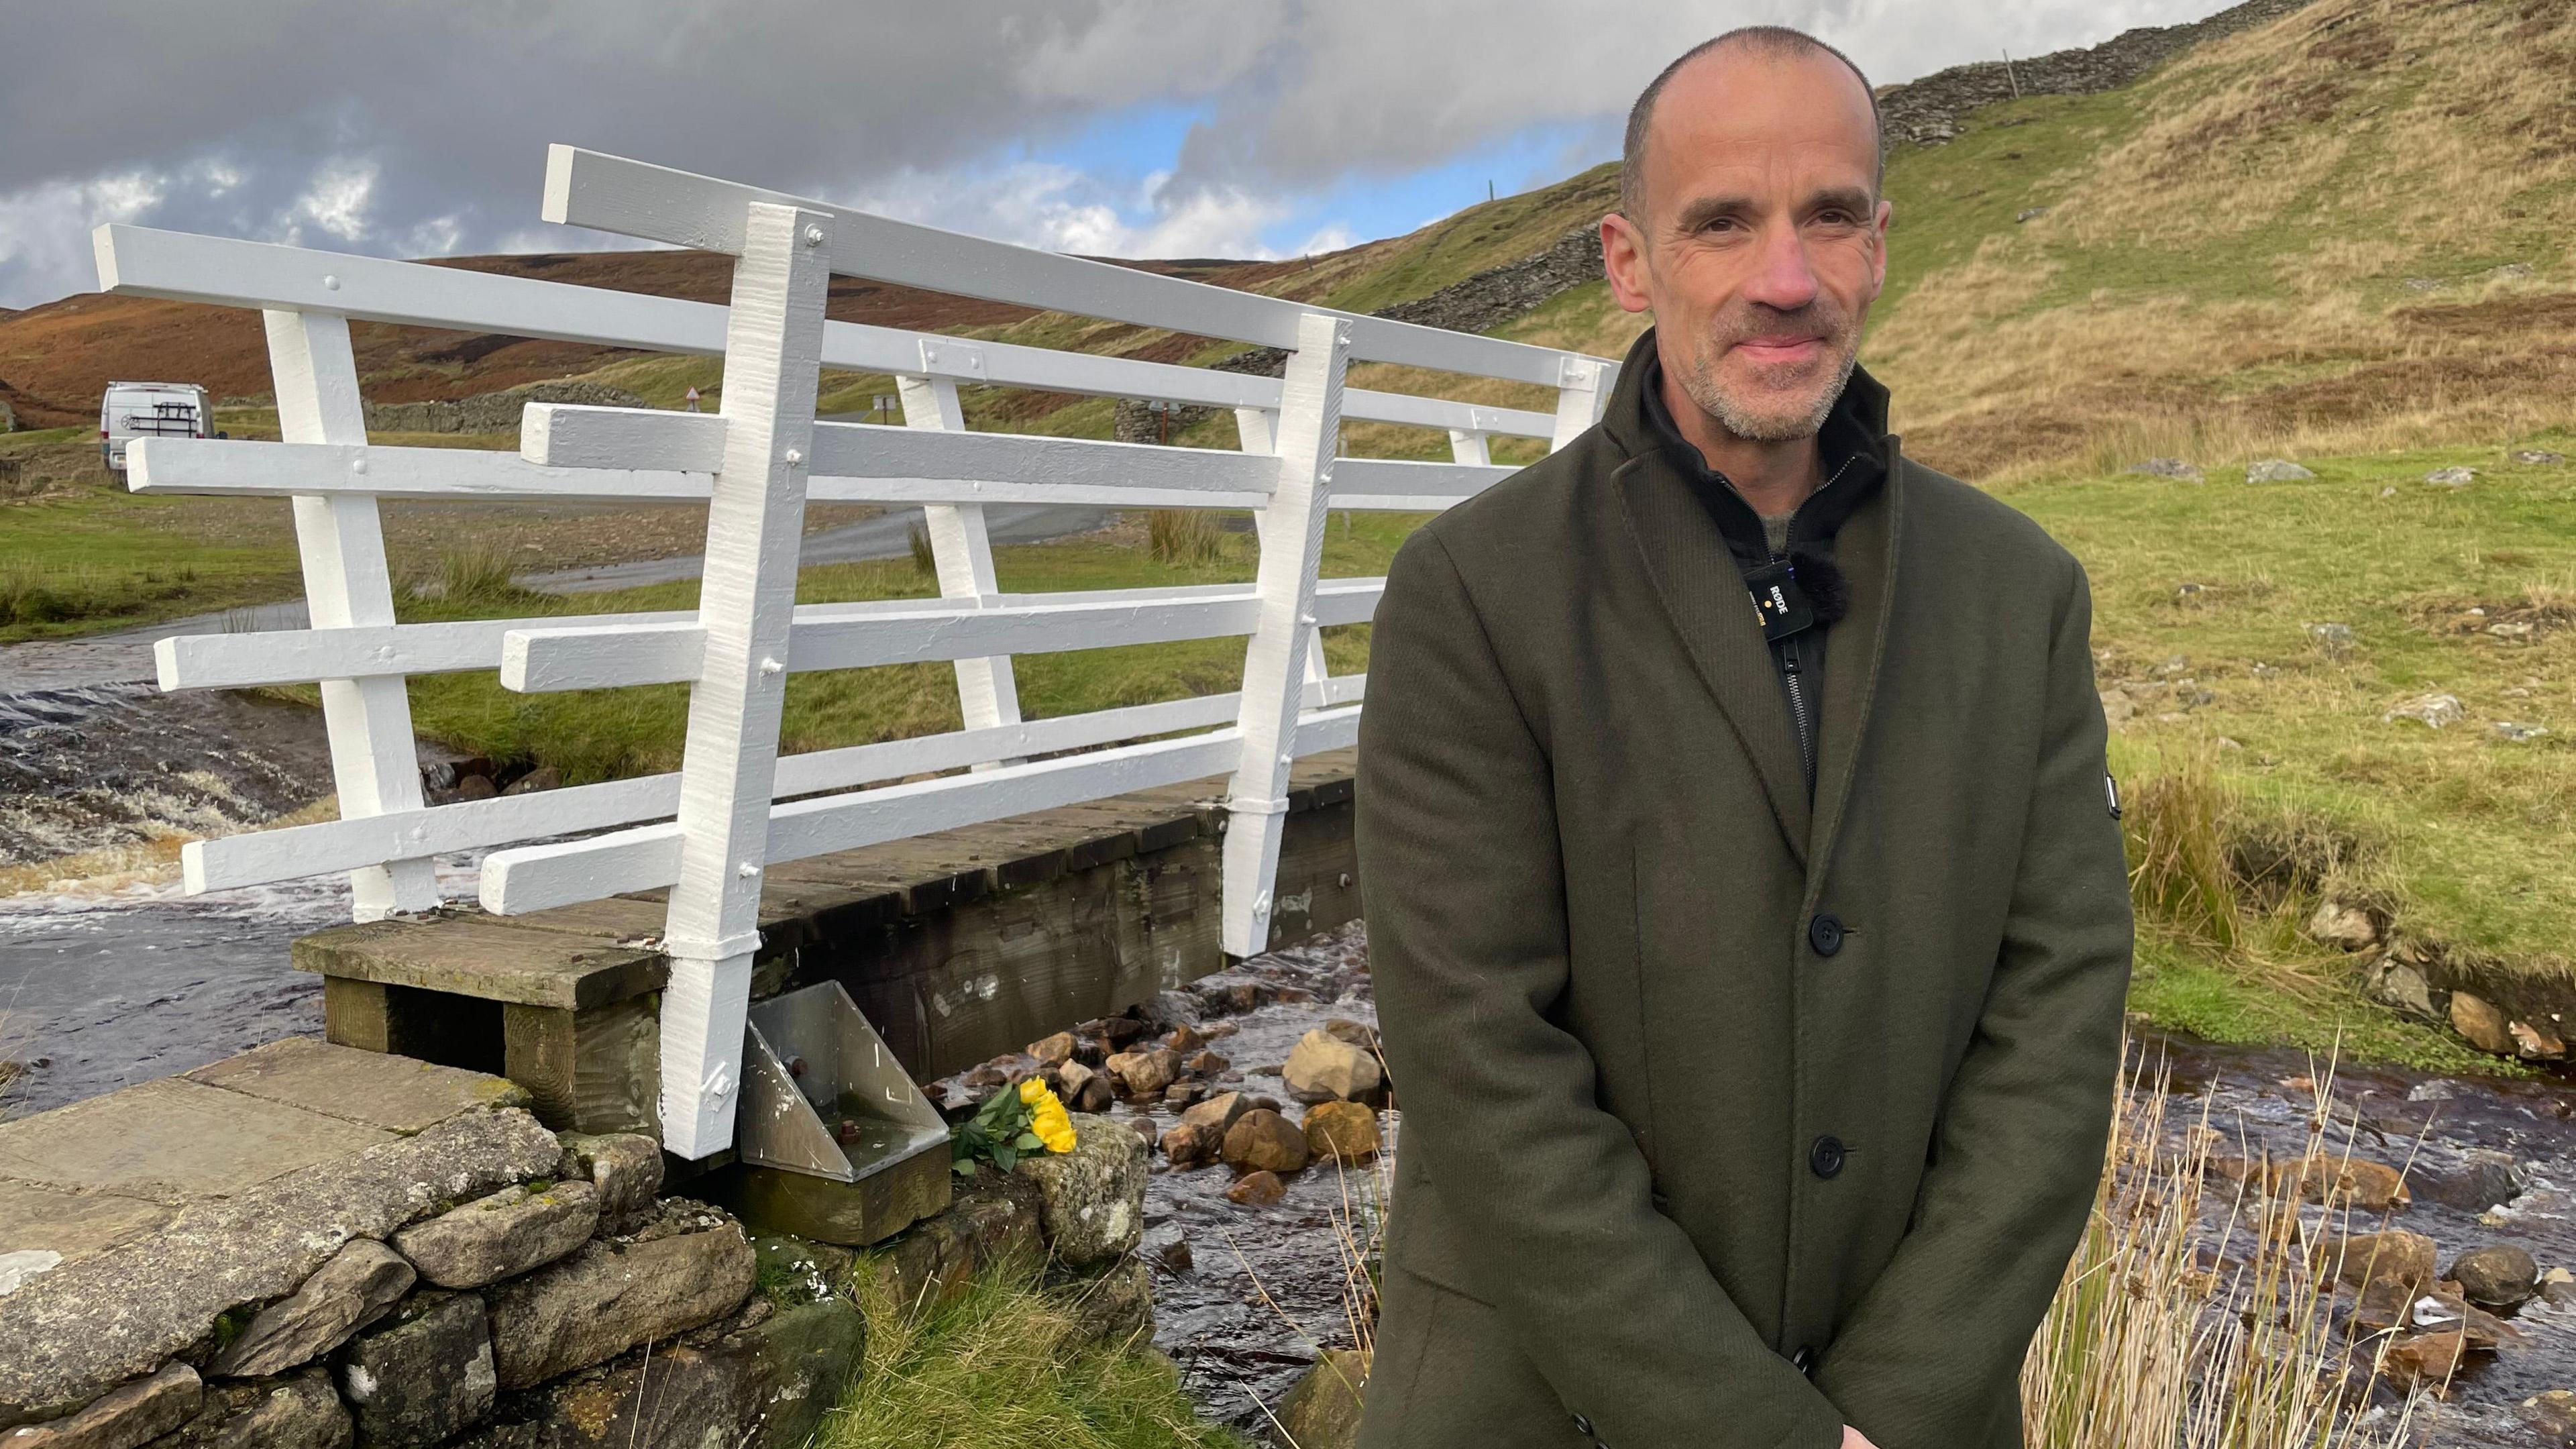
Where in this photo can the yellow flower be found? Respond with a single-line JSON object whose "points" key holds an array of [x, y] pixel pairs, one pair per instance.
{"points": [[1032, 1088], [1053, 1125]]}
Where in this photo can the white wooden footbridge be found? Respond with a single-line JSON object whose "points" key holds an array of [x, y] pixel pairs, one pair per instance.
{"points": [[711, 829]]}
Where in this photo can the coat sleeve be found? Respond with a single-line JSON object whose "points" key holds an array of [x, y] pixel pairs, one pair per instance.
{"points": [[1546, 1192], [1932, 1353]]}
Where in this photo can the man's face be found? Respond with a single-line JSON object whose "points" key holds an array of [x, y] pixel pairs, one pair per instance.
{"points": [[1762, 243]]}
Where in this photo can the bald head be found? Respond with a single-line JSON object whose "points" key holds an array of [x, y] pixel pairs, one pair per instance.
{"points": [[1767, 42]]}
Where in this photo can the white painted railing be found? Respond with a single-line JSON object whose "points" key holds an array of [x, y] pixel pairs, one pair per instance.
{"points": [[709, 830]]}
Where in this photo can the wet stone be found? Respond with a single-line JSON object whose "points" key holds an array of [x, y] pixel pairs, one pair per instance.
{"points": [[2500, 1275]]}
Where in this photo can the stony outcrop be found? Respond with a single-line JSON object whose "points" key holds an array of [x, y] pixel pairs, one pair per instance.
{"points": [[1932, 110]]}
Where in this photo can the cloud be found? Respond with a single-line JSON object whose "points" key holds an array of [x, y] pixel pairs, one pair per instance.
{"points": [[408, 127]]}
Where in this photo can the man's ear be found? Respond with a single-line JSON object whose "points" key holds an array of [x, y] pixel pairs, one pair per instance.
{"points": [[1623, 260]]}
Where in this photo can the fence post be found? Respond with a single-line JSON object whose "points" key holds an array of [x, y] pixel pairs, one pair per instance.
{"points": [[1580, 398], [1257, 431], [988, 693], [1275, 662], [773, 362], [374, 765]]}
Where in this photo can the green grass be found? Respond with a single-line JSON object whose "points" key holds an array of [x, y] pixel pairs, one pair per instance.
{"points": [[2471, 833], [97, 560], [604, 734], [1004, 1368]]}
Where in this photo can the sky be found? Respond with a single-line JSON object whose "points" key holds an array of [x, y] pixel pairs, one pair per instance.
{"points": [[1137, 128]]}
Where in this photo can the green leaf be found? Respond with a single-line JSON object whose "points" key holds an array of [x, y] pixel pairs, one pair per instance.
{"points": [[1028, 1142], [1005, 1156]]}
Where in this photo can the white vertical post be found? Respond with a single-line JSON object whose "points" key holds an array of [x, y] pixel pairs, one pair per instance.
{"points": [[1257, 431], [987, 692], [773, 361], [1580, 398], [1470, 447], [1275, 662], [346, 584]]}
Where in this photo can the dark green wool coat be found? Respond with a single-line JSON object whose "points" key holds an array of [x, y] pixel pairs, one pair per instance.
{"points": [[1661, 1129]]}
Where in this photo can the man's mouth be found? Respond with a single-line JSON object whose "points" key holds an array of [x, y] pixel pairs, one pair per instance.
{"points": [[1780, 349]]}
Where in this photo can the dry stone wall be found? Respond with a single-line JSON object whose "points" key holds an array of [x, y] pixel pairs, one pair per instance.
{"points": [[451, 1273], [1930, 111]]}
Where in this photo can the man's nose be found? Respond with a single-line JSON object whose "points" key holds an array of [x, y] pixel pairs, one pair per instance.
{"points": [[1781, 278]]}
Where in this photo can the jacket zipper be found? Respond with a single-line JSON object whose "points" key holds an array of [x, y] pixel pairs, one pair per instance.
{"points": [[1792, 676]]}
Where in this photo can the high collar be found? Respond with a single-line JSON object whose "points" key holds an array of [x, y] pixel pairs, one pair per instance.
{"points": [[1854, 450]]}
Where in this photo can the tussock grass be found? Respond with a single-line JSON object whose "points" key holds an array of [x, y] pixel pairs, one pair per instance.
{"points": [[2165, 1332], [1004, 1368], [1185, 536]]}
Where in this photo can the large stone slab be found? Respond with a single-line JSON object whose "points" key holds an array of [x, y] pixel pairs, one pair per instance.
{"points": [[69, 1335], [75, 1225], [690, 1269], [175, 1139], [398, 1094], [493, 962]]}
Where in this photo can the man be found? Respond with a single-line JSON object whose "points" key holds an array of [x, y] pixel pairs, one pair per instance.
{"points": [[1753, 1005]]}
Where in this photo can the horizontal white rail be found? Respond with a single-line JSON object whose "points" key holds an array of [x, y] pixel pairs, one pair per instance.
{"points": [[656, 203], [605, 654], [267, 856], [642, 439], [539, 877], [291, 470], [144, 262]]}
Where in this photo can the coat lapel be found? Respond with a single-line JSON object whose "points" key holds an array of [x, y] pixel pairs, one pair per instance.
{"points": [[1865, 548], [1703, 594]]}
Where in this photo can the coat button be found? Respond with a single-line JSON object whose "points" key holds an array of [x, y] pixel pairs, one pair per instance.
{"points": [[1825, 933], [1826, 1157], [1583, 1426], [1804, 1360]]}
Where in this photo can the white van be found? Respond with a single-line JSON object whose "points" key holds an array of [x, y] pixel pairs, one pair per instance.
{"points": [[150, 410]]}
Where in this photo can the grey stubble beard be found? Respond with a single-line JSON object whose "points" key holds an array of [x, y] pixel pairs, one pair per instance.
{"points": [[1741, 420]]}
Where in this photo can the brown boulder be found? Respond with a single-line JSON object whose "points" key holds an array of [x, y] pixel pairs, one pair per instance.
{"points": [[2499, 1275], [1185, 1039], [1218, 1113], [2424, 1360], [1053, 1051], [2481, 1023], [1323, 1068], [2395, 1254], [1190, 1145], [1257, 1189], [1145, 1073], [1207, 1063], [1341, 1131], [1262, 1139]]}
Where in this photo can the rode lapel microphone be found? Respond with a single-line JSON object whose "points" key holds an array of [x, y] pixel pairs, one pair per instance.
{"points": [[1794, 594]]}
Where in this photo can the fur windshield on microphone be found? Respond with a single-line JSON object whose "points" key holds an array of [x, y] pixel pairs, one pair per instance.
{"points": [[1822, 583]]}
